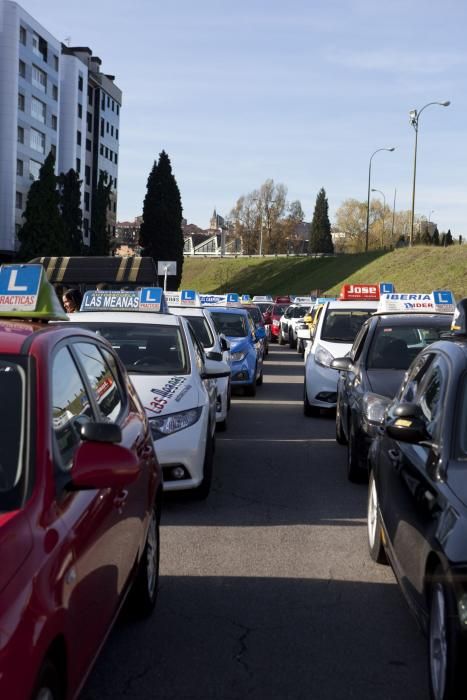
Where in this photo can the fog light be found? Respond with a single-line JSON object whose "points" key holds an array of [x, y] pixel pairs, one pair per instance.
{"points": [[462, 609], [239, 376], [178, 472]]}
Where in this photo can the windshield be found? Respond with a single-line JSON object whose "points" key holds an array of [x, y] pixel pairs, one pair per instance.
{"points": [[202, 330], [145, 348], [342, 325], [12, 434], [298, 311], [278, 310], [256, 315], [264, 306], [232, 325], [396, 347]]}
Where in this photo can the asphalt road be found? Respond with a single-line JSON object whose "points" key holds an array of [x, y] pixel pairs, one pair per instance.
{"points": [[267, 591]]}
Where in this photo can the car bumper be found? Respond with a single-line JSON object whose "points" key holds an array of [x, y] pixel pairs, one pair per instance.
{"points": [[242, 373], [321, 384], [222, 400], [185, 449]]}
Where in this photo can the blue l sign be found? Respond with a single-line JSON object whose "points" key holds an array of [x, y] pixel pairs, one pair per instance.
{"points": [[386, 288], [188, 295], [20, 280], [443, 298]]}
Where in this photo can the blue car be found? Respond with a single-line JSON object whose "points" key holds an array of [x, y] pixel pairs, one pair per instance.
{"points": [[246, 346]]}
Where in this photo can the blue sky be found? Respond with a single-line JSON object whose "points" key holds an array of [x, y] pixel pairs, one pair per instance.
{"points": [[301, 92]]}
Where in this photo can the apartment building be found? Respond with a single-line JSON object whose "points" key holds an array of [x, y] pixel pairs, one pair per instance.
{"points": [[52, 98]]}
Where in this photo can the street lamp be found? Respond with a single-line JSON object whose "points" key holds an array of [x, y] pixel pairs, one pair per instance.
{"points": [[414, 117], [384, 210], [369, 189]]}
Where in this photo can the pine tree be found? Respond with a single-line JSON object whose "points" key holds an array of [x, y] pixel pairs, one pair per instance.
{"points": [[320, 233], [426, 238], [161, 235], [435, 238], [42, 233], [100, 238], [72, 215], [448, 240]]}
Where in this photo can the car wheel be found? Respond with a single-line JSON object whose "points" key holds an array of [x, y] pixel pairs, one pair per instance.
{"points": [[146, 585], [221, 426], [340, 436], [446, 648], [49, 685], [292, 340], [202, 491], [355, 473], [375, 532], [300, 346], [308, 409], [250, 389], [259, 381], [280, 338]]}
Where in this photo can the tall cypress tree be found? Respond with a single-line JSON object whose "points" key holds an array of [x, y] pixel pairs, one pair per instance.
{"points": [[42, 233], [449, 240], [100, 238], [72, 214], [161, 235], [320, 233]]}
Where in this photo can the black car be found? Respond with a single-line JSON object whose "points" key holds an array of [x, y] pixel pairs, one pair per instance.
{"points": [[417, 505], [380, 355]]}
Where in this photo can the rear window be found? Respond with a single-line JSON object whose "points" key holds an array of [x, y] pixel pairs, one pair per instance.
{"points": [[12, 433], [342, 325], [278, 310], [232, 325], [395, 347]]}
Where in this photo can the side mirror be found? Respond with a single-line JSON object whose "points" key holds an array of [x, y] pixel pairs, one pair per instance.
{"points": [[407, 424], [343, 364], [260, 333], [101, 465], [215, 370], [216, 356], [225, 345], [101, 432]]}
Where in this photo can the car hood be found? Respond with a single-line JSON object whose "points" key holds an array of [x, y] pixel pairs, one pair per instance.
{"points": [[164, 394], [15, 544], [385, 381], [336, 349]]}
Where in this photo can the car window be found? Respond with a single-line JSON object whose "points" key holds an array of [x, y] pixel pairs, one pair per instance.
{"points": [[199, 352], [394, 347], [145, 348], [410, 386], [251, 324], [232, 325], [256, 315], [71, 406], [12, 431], [202, 330], [342, 325], [461, 432], [359, 343], [431, 396], [107, 393]]}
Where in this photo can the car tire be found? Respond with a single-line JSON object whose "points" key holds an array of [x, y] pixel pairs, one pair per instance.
{"points": [[308, 409], [355, 473], [49, 685], [280, 338], [340, 435], [143, 596], [250, 389], [259, 381], [292, 340], [446, 647], [201, 492], [374, 527], [221, 426], [300, 346]]}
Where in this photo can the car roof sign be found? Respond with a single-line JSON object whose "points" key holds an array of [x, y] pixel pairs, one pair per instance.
{"points": [[246, 299], [264, 297], [359, 292], [185, 298], [26, 293], [303, 300], [438, 301], [148, 299]]}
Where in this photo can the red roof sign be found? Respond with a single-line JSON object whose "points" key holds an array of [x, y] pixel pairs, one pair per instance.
{"points": [[359, 292]]}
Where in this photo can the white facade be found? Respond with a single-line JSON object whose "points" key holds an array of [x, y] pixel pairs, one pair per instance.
{"points": [[29, 97]]}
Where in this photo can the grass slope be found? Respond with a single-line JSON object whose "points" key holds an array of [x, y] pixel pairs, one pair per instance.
{"points": [[421, 268]]}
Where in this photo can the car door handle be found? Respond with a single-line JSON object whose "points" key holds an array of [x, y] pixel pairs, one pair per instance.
{"points": [[394, 456], [120, 500]]}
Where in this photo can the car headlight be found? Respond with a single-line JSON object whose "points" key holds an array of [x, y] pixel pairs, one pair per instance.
{"points": [[374, 407], [238, 356], [276, 323], [166, 425], [323, 357]]}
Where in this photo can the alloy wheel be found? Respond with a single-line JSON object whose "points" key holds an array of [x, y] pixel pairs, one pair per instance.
{"points": [[438, 641]]}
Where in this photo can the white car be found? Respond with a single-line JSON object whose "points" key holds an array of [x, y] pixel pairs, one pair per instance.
{"points": [[187, 304], [289, 321], [338, 324], [174, 381]]}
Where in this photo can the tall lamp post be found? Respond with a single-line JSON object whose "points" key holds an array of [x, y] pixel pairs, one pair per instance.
{"points": [[414, 118], [369, 190], [384, 210]]}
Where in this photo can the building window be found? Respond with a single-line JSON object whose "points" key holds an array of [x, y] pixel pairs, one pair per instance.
{"points": [[39, 79], [80, 111], [89, 95], [108, 101], [19, 200], [113, 106], [37, 140], [86, 201], [108, 127], [20, 134], [80, 83], [34, 169], [78, 138], [53, 150], [19, 167], [86, 227], [54, 122], [101, 149], [22, 35], [39, 46], [56, 63], [22, 69], [118, 109], [115, 209], [89, 121], [116, 134], [20, 102], [111, 131], [106, 152], [102, 126], [55, 92], [103, 103], [38, 110], [78, 166], [115, 183], [115, 159], [88, 144], [87, 174]]}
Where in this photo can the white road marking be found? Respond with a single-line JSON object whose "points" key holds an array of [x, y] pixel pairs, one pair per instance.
{"points": [[256, 402], [250, 439]]}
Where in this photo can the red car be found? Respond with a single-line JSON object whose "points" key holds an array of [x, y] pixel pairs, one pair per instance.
{"points": [[275, 313], [80, 495]]}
